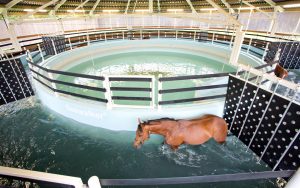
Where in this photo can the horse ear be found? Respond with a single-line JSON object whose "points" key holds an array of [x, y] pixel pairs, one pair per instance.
{"points": [[139, 120]]}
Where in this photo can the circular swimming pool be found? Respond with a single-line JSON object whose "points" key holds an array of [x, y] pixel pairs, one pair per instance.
{"points": [[157, 58]]}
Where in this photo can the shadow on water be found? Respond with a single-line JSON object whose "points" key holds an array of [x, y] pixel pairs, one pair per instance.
{"points": [[34, 137]]}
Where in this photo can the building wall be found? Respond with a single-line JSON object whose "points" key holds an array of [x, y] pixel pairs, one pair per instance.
{"points": [[287, 23]]}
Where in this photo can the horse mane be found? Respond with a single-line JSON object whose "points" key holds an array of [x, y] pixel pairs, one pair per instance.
{"points": [[140, 129], [158, 120]]}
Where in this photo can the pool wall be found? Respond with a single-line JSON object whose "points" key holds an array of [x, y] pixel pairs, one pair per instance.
{"points": [[97, 114]]}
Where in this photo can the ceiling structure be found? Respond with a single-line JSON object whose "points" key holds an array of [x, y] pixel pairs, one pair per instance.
{"points": [[41, 8]]}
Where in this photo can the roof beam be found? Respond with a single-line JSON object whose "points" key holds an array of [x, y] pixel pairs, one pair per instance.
{"points": [[12, 3], [278, 8], [191, 5], [94, 7], [40, 8], [128, 3], [150, 6], [58, 5], [222, 11], [258, 9], [81, 5], [228, 6], [270, 2]]}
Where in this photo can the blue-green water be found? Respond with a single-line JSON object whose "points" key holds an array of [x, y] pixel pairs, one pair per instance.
{"points": [[148, 63], [33, 137]]}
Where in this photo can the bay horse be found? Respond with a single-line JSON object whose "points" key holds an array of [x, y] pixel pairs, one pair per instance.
{"points": [[176, 132], [280, 72]]}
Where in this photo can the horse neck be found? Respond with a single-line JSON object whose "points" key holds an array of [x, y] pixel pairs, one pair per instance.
{"points": [[159, 128]]}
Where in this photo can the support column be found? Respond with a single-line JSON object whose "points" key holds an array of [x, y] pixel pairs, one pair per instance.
{"points": [[237, 45], [150, 6], [249, 18], [61, 27], [13, 37], [12, 33], [273, 25]]}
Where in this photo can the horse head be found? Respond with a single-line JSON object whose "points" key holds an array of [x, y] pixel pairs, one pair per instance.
{"points": [[141, 135], [280, 72]]}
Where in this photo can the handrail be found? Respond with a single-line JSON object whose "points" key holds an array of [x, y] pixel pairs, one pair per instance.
{"points": [[70, 93], [68, 181], [41, 177], [68, 83], [194, 76], [108, 94], [192, 88], [67, 73], [198, 179], [113, 30]]}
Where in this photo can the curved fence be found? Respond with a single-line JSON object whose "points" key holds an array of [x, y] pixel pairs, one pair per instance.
{"points": [[106, 92]]}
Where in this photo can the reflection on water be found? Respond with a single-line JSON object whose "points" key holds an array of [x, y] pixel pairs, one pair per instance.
{"points": [[150, 63], [33, 137]]}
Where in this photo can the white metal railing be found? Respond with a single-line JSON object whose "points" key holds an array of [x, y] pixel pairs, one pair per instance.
{"points": [[144, 32], [55, 180], [132, 78], [41, 176]]}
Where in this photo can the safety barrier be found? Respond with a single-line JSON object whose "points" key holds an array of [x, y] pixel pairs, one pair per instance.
{"points": [[268, 123], [75, 40], [15, 84], [37, 75], [198, 88], [252, 44], [148, 89], [54, 180]]}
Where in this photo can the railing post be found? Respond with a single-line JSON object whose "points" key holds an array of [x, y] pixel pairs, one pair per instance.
{"points": [[265, 52], [123, 35], [231, 40], [159, 88], [94, 182], [105, 37], [70, 43], [106, 85], [176, 33], [194, 35], [152, 94], [41, 52], [55, 52], [250, 42], [88, 39], [158, 36], [141, 35], [29, 56], [50, 75], [212, 40]]}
